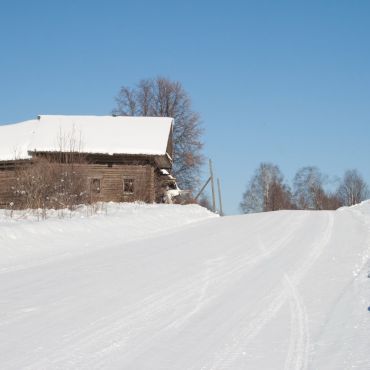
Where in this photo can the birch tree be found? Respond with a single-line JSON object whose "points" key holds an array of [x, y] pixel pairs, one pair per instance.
{"points": [[353, 189], [266, 191], [309, 190]]}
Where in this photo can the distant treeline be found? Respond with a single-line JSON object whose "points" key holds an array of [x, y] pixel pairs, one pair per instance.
{"points": [[268, 191]]}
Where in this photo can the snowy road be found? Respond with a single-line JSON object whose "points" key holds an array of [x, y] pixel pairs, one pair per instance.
{"points": [[284, 290]]}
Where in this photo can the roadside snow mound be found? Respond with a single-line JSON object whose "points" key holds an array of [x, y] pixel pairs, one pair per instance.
{"points": [[363, 207], [25, 236]]}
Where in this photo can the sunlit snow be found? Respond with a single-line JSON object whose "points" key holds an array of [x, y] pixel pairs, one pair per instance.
{"points": [[88, 134], [169, 287]]}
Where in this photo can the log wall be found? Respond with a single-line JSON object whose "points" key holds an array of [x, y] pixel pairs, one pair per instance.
{"points": [[111, 178], [7, 179], [112, 182]]}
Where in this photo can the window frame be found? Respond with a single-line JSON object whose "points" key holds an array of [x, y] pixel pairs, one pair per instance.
{"points": [[95, 190], [132, 185]]}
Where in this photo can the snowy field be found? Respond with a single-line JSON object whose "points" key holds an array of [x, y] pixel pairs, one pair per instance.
{"points": [[164, 287]]}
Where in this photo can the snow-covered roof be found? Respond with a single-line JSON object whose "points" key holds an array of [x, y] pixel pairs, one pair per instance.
{"points": [[88, 134]]}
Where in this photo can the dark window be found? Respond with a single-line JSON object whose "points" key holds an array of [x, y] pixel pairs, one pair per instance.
{"points": [[128, 186], [95, 186]]}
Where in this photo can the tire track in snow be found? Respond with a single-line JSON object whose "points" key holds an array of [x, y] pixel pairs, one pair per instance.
{"points": [[298, 352], [236, 347], [276, 299], [211, 268], [144, 315], [299, 343], [217, 271], [316, 251], [123, 330], [239, 263]]}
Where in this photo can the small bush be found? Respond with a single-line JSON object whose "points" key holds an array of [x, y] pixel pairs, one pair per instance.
{"points": [[46, 184]]}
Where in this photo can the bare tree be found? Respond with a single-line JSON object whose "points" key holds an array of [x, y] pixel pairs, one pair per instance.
{"points": [[331, 201], [353, 189], [266, 191], [308, 188], [165, 98], [280, 197]]}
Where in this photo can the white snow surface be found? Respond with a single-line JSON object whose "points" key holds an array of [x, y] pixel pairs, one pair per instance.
{"points": [[89, 134], [175, 287]]}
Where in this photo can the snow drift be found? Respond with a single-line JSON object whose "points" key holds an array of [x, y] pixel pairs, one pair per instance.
{"points": [[166, 287]]}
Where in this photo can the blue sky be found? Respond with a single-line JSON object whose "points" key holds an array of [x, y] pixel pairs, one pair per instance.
{"points": [[280, 81]]}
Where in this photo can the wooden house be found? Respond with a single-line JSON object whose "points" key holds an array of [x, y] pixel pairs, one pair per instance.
{"points": [[125, 158]]}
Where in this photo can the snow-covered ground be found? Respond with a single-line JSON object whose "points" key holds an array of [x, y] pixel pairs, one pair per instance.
{"points": [[161, 287]]}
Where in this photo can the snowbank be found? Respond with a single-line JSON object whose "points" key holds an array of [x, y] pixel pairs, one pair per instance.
{"points": [[363, 207], [25, 236]]}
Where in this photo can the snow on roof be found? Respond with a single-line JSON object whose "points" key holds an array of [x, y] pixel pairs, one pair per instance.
{"points": [[88, 134]]}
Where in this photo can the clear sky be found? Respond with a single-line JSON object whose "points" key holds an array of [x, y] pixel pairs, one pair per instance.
{"points": [[280, 81]]}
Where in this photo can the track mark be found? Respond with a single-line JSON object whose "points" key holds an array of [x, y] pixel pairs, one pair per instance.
{"points": [[299, 343], [298, 353]]}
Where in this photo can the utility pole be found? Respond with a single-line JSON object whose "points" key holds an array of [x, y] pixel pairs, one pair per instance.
{"points": [[201, 190], [220, 197], [211, 180], [212, 186]]}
